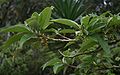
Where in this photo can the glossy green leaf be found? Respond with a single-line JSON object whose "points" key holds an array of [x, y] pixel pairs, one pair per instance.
{"points": [[44, 17], [67, 22]]}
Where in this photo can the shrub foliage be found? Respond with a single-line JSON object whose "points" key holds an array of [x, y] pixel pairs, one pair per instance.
{"points": [[89, 48]]}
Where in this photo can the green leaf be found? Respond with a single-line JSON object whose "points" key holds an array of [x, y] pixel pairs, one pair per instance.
{"points": [[35, 14], [106, 13], [88, 43], [85, 21], [114, 21], [33, 22], [25, 38], [67, 31], [12, 40], [51, 30], [44, 17], [74, 7], [51, 63], [97, 27], [67, 22], [16, 28], [103, 44], [88, 59], [57, 67]]}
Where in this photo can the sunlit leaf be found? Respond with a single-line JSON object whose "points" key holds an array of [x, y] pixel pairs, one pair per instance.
{"points": [[67, 22], [44, 17]]}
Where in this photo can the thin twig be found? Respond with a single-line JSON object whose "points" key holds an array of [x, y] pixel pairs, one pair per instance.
{"points": [[87, 52], [63, 40], [63, 36], [72, 66]]}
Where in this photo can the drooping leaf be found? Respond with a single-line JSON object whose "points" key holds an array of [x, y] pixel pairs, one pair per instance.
{"points": [[51, 62], [67, 22], [16, 28], [25, 38], [57, 67], [12, 40]]}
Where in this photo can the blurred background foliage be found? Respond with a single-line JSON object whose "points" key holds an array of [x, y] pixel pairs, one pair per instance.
{"points": [[14, 11], [28, 61]]}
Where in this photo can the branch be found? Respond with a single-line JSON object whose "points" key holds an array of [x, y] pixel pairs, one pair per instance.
{"points": [[87, 52], [63, 40], [72, 66], [63, 36]]}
